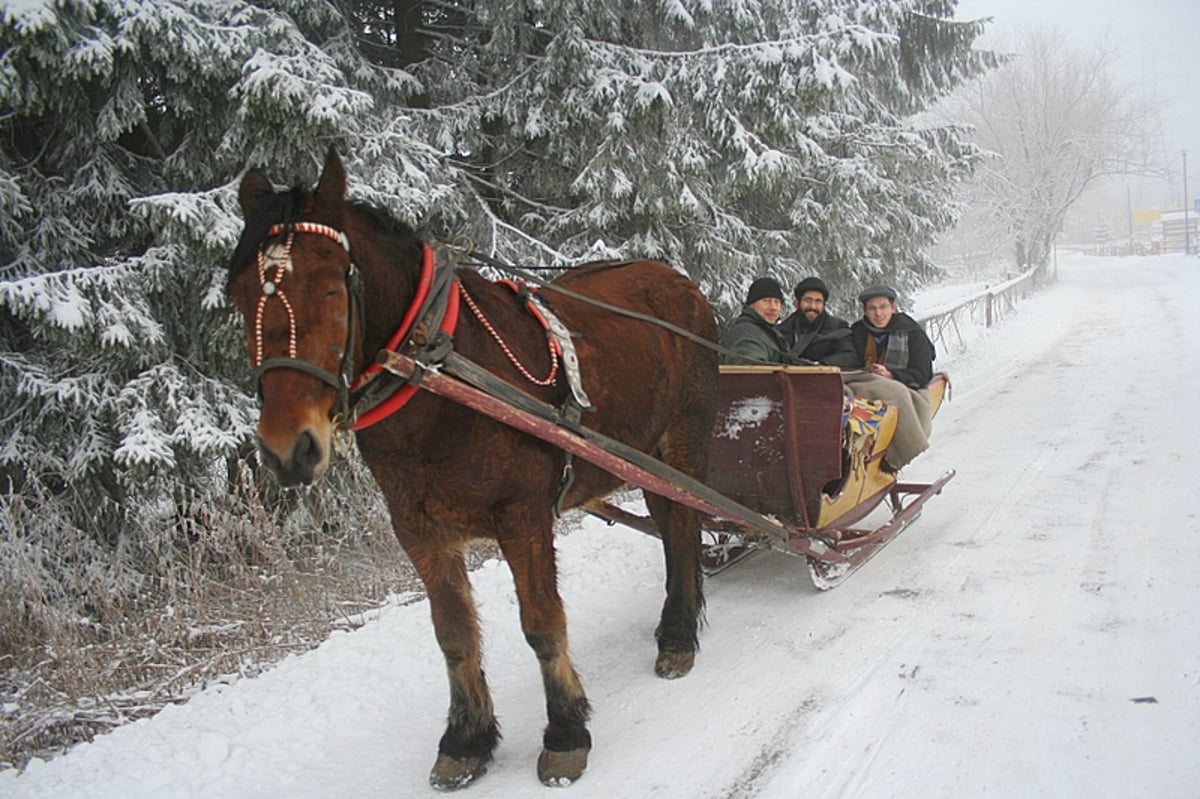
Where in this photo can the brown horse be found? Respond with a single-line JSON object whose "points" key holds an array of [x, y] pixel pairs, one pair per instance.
{"points": [[324, 284]]}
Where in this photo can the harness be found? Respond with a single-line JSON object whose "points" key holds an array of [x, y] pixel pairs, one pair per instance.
{"points": [[425, 333], [558, 339]]}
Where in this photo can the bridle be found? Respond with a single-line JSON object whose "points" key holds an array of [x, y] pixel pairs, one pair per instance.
{"points": [[273, 288], [434, 310]]}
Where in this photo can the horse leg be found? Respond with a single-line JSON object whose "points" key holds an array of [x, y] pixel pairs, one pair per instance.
{"points": [[465, 750], [678, 630], [683, 445], [529, 550]]}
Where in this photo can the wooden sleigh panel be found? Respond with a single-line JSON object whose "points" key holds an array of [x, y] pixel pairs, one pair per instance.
{"points": [[777, 440], [778, 445]]}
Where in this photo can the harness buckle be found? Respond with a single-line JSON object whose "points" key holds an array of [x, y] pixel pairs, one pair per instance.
{"points": [[343, 434]]}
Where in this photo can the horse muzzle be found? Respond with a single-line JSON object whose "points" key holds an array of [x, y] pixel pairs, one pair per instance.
{"points": [[295, 435], [304, 461]]}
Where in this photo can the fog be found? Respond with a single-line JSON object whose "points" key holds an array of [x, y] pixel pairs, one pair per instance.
{"points": [[1154, 57]]}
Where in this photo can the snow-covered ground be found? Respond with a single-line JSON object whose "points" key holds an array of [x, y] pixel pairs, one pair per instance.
{"points": [[1035, 633]]}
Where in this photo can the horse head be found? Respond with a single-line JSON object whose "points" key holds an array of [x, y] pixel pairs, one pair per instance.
{"points": [[294, 280]]}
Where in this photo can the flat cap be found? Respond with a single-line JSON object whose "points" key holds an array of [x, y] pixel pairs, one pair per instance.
{"points": [[877, 291]]}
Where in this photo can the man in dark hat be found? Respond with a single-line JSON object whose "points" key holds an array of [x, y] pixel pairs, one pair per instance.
{"points": [[755, 332], [812, 333], [896, 357]]}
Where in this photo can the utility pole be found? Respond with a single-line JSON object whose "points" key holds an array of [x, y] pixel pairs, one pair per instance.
{"points": [[1187, 224], [1129, 215]]}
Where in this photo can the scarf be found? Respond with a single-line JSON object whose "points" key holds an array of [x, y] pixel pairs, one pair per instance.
{"points": [[894, 343]]}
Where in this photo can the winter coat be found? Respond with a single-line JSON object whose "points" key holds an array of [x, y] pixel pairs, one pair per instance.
{"points": [[903, 347], [826, 340], [755, 337]]}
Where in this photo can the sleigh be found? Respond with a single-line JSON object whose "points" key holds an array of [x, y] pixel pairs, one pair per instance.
{"points": [[796, 462], [794, 444]]}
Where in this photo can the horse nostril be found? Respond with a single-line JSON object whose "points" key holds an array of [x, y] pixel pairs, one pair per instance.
{"points": [[306, 454]]}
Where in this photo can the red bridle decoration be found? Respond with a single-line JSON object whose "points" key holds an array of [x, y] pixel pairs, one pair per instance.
{"points": [[552, 345], [272, 287]]}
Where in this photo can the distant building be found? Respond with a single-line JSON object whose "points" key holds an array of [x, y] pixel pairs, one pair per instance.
{"points": [[1163, 230], [1172, 232]]}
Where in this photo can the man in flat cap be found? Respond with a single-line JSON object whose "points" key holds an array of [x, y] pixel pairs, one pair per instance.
{"points": [[896, 357], [755, 333]]}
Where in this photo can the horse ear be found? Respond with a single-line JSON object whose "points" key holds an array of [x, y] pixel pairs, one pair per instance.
{"points": [[331, 188], [251, 192]]}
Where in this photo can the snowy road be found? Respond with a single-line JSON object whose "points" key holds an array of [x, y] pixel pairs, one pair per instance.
{"points": [[1035, 633]]}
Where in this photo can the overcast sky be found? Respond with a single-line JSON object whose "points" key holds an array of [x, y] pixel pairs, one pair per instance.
{"points": [[1160, 45]]}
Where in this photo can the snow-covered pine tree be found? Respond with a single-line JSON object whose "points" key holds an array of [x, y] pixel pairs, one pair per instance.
{"points": [[123, 389], [732, 138]]}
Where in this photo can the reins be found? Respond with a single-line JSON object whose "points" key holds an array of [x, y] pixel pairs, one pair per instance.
{"points": [[526, 275]]}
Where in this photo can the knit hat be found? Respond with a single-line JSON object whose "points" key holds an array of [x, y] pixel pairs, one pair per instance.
{"points": [[877, 291], [812, 284], [764, 287]]}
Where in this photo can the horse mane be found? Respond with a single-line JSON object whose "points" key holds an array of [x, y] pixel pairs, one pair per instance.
{"points": [[280, 208], [383, 222], [285, 207]]}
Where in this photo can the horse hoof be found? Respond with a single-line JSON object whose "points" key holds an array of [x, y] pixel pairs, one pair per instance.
{"points": [[452, 773], [560, 769], [672, 665]]}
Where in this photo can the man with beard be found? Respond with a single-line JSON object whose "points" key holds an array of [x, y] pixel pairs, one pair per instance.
{"points": [[812, 333], [755, 333], [897, 361]]}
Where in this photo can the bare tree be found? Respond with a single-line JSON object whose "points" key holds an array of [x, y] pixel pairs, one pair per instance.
{"points": [[1055, 121]]}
